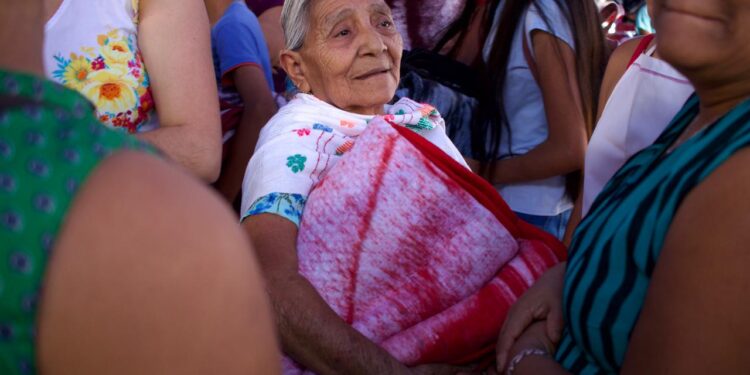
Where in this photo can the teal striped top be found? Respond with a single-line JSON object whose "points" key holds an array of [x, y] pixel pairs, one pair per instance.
{"points": [[616, 247]]}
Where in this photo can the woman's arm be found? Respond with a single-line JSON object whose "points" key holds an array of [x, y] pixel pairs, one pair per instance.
{"points": [[166, 286], [274, 36], [174, 39], [310, 330], [259, 106], [695, 318], [563, 150]]}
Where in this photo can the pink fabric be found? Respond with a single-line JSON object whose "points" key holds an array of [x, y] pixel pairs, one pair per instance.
{"points": [[405, 254]]}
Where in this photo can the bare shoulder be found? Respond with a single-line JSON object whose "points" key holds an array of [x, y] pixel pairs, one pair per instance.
{"points": [[624, 52], [699, 289], [152, 275], [720, 201], [617, 65]]}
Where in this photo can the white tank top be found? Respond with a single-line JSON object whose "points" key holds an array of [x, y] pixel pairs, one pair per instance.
{"points": [[643, 103], [91, 46]]}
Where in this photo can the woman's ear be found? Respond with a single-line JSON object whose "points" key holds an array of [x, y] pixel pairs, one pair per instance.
{"points": [[291, 62]]}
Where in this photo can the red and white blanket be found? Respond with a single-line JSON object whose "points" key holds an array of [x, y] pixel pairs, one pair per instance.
{"points": [[414, 251]]}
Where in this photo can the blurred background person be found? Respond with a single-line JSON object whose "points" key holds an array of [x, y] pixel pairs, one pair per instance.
{"points": [[244, 80], [146, 66]]}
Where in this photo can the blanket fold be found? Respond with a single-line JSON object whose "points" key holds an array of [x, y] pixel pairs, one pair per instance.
{"points": [[416, 252]]}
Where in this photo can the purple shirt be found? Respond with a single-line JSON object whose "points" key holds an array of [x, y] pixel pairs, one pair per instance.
{"points": [[260, 6]]}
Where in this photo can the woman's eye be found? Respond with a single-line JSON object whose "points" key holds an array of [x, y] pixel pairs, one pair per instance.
{"points": [[342, 33], [386, 23]]}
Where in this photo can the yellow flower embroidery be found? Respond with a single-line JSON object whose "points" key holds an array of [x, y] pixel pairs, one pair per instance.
{"points": [[111, 90], [77, 72], [111, 75], [89, 51], [114, 49]]}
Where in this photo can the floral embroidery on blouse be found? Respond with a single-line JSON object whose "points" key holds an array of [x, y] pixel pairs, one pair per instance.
{"points": [[136, 15], [113, 77], [296, 163], [288, 206], [344, 148], [323, 128]]}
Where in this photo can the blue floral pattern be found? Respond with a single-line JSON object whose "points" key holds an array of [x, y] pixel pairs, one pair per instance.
{"points": [[286, 205]]}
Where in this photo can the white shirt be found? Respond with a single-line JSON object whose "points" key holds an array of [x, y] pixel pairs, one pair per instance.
{"points": [[642, 104], [524, 108], [91, 46]]}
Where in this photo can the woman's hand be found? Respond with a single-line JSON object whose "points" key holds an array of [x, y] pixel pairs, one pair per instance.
{"points": [[533, 338], [543, 301]]}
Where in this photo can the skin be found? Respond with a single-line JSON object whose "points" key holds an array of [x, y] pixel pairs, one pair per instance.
{"points": [[700, 284], [178, 293], [259, 106], [469, 51], [124, 295], [330, 64], [269, 22], [563, 150], [174, 39]]}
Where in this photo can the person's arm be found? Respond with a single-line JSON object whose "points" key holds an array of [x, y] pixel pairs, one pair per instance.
{"points": [[174, 39], [274, 36], [310, 330], [616, 67], [575, 217], [152, 275], [259, 106], [694, 320], [563, 150]]}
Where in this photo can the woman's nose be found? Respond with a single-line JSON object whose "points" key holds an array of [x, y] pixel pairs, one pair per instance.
{"points": [[372, 42]]}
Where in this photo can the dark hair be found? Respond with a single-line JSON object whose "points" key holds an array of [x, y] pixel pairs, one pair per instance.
{"points": [[591, 54]]}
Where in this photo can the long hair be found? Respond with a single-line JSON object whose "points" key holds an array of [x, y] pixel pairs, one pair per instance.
{"points": [[590, 59]]}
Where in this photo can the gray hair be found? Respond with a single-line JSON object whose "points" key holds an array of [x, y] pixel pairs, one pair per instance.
{"points": [[295, 19]]}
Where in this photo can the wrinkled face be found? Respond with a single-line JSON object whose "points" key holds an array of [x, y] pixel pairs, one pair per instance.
{"points": [[351, 55], [700, 37]]}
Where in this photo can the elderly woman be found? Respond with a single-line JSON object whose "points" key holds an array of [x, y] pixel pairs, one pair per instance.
{"points": [[656, 281], [344, 57]]}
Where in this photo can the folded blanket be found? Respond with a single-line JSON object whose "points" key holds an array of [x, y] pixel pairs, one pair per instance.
{"points": [[416, 252]]}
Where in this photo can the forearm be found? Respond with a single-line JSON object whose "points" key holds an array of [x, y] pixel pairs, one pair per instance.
{"points": [[545, 161], [313, 335], [240, 150], [201, 154], [575, 219]]}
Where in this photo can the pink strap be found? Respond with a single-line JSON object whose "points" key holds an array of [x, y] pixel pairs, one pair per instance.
{"points": [[641, 48]]}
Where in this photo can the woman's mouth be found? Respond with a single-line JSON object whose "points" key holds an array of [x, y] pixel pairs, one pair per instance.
{"points": [[373, 73], [703, 16]]}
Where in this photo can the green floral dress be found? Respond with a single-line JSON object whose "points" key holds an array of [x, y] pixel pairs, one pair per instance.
{"points": [[50, 142]]}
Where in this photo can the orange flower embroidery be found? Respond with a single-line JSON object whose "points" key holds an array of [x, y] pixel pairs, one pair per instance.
{"points": [[346, 147]]}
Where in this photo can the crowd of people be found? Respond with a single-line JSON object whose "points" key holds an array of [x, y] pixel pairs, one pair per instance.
{"points": [[374, 186]]}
